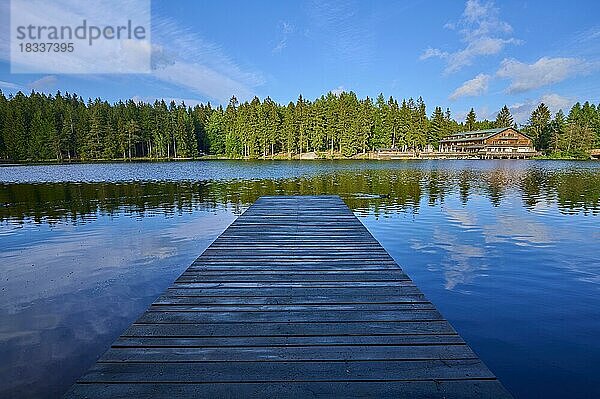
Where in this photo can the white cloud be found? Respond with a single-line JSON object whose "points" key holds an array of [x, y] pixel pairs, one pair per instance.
{"points": [[482, 113], [343, 30], [9, 85], [105, 56], [43, 83], [179, 56], [543, 72], [475, 47], [188, 61], [482, 33], [433, 52], [286, 30], [474, 87], [475, 11], [280, 46], [203, 80], [556, 102], [522, 111]]}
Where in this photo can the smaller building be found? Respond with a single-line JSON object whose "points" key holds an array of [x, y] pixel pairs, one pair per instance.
{"points": [[504, 142]]}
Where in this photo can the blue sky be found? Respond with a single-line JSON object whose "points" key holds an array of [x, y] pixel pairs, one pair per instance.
{"points": [[455, 54]]}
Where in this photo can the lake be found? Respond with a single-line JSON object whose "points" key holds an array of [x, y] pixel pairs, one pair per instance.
{"points": [[508, 251]]}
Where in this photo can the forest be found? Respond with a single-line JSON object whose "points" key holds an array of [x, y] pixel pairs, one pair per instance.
{"points": [[64, 127]]}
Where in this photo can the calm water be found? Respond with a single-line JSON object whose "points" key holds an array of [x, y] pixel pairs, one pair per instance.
{"points": [[509, 251]]}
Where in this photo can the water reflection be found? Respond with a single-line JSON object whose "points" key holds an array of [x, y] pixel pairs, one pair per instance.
{"points": [[68, 290], [381, 191], [506, 250]]}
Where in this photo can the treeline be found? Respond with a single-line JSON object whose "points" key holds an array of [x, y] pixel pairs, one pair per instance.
{"points": [[65, 127], [570, 136]]}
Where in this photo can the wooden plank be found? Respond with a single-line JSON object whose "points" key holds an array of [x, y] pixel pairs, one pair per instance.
{"points": [[399, 289], [294, 299], [284, 307], [227, 271], [289, 329], [327, 340], [398, 370], [290, 300], [259, 286], [428, 389], [288, 316], [185, 290], [198, 275], [287, 353]]}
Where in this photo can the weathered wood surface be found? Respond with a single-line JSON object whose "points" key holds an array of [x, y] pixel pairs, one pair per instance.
{"points": [[294, 299]]}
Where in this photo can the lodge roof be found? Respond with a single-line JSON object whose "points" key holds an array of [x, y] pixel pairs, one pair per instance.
{"points": [[476, 134]]}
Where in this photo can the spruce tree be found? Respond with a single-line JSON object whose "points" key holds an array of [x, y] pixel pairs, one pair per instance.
{"points": [[365, 129], [379, 115], [16, 140], [437, 127], [538, 127], [301, 122], [504, 118], [3, 118], [471, 121], [231, 146], [289, 130], [215, 132], [557, 131]]}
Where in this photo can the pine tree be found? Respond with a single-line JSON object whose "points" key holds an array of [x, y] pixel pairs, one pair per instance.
{"points": [[365, 124], [93, 148], [301, 123], [3, 118], [14, 130], [57, 112], [596, 127], [557, 130], [200, 115], [318, 125], [215, 132], [437, 127], [132, 130], [82, 127], [39, 137], [579, 134], [471, 121], [380, 139], [231, 143], [504, 118], [289, 129], [272, 125], [392, 123], [67, 133], [332, 116], [347, 123], [538, 127], [405, 124], [422, 123], [449, 123]]}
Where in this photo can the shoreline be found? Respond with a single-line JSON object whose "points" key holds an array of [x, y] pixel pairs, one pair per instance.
{"points": [[295, 159]]}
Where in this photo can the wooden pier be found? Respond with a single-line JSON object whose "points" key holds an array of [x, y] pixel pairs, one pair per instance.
{"points": [[295, 299]]}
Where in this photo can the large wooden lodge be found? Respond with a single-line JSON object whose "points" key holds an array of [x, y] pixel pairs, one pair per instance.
{"points": [[504, 142]]}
